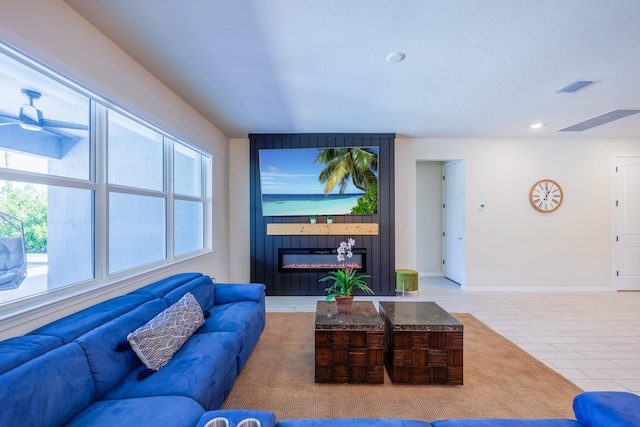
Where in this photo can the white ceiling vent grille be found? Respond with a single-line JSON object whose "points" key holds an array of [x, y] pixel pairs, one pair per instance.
{"points": [[600, 120], [577, 86]]}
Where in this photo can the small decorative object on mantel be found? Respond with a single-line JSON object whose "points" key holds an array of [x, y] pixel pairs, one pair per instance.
{"points": [[329, 219], [313, 219], [345, 280]]}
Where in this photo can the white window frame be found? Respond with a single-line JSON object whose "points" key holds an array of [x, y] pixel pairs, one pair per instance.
{"points": [[15, 313]]}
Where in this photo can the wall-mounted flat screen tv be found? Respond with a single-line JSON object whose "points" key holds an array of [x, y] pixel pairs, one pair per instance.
{"points": [[319, 181]]}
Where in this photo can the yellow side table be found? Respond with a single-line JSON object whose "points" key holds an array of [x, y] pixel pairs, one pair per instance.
{"points": [[406, 281]]}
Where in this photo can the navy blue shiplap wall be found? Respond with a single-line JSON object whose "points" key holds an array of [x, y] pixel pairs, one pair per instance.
{"points": [[380, 248]]}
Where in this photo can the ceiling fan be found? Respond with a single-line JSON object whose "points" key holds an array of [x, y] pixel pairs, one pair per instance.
{"points": [[30, 118]]}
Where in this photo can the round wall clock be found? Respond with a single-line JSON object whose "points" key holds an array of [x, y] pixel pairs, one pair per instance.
{"points": [[546, 195]]}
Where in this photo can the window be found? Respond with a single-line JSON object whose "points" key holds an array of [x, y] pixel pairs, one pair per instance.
{"points": [[136, 154], [189, 204], [89, 193], [187, 171]]}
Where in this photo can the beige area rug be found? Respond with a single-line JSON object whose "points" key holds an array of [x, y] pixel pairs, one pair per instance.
{"points": [[500, 381]]}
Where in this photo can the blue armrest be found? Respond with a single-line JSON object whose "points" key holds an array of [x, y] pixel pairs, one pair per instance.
{"points": [[607, 408], [226, 293]]}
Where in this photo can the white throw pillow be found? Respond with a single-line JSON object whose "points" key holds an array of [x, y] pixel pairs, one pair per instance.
{"points": [[156, 342]]}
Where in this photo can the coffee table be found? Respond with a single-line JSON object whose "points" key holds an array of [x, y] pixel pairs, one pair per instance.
{"points": [[423, 343], [349, 348]]}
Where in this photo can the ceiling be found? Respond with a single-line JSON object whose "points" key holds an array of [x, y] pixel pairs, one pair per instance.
{"points": [[472, 68]]}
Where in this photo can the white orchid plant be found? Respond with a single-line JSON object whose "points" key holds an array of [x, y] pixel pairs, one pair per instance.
{"points": [[346, 279]]}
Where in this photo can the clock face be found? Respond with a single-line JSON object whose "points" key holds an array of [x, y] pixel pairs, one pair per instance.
{"points": [[546, 195]]}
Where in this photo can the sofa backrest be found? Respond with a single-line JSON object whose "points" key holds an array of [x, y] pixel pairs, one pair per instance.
{"points": [[202, 288], [108, 365], [71, 327], [48, 390], [160, 288], [16, 351]]}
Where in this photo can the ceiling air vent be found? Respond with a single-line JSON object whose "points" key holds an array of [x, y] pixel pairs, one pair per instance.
{"points": [[577, 86], [600, 120]]}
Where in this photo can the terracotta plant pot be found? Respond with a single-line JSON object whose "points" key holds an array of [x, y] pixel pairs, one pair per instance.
{"points": [[344, 304]]}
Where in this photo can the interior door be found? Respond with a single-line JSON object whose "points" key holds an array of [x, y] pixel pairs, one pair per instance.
{"points": [[627, 223], [454, 242]]}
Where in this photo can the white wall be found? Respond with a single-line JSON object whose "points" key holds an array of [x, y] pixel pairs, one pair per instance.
{"points": [[239, 210], [523, 249], [54, 34]]}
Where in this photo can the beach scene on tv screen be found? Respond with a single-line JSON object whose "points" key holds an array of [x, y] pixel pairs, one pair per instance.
{"points": [[319, 181]]}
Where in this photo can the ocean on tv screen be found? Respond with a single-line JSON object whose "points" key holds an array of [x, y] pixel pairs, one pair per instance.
{"points": [[308, 204]]}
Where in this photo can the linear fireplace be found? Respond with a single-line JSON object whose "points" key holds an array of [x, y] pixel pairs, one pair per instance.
{"points": [[296, 260]]}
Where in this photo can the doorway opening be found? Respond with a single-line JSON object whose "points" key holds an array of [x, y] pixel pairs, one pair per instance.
{"points": [[441, 242]]}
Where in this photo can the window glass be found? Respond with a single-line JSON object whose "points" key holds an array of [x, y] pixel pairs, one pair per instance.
{"points": [[46, 238], [137, 231], [188, 227], [58, 219], [187, 167], [43, 124], [136, 154]]}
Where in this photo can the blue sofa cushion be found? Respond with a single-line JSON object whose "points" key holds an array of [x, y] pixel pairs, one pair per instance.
{"points": [[71, 327], [352, 422], [159, 339], [202, 288], [157, 411], [245, 318], [49, 390], [16, 351], [162, 287], [238, 317], [610, 409], [506, 422], [109, 366], [203, 369]]}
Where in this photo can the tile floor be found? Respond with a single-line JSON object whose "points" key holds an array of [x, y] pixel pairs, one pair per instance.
{"points": [[593, 339]]}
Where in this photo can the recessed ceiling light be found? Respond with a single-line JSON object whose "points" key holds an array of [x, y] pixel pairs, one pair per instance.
{"points": [[536, 125], [395, 57]]}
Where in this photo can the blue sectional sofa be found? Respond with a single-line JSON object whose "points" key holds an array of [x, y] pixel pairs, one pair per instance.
{"points": [[79, 371], [592, 409]]}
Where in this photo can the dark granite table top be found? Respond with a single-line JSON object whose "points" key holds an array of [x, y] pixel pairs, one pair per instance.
{"points": [[411, 316], [364, 316]]}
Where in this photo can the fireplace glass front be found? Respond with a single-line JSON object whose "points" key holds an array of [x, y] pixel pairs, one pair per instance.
{"points": [[293, 260]]}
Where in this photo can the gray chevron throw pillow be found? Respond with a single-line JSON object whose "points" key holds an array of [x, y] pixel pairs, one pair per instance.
{"points": [[156, 342]]}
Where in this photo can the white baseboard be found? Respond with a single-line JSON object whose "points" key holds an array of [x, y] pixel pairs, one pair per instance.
{"points": [[537, 289], [438, 274]]}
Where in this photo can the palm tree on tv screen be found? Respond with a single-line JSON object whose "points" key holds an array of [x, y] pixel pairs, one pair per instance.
{"points": [[357, 164]]}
